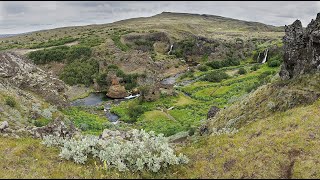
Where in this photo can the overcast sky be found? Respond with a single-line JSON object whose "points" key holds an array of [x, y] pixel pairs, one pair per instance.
{"points": [[25, 16]]}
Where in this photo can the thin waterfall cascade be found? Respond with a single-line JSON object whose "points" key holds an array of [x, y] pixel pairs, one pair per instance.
{"points": [[265, 56], [170, 49]]}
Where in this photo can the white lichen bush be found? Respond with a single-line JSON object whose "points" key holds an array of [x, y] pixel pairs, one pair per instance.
{"points": [[141, 150]]}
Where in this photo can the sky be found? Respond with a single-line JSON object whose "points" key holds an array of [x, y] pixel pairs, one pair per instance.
{"points": [[26, 16]]}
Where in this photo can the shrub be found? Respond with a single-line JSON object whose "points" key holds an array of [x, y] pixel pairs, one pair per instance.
{"points": [[224, 63], [80, 72], [274, 63], [10, 101], [141, 151], [242, 71], [216, 76], [214, 64], [77, 52], [44, 56], [56, 42], [41, 122], [255, 67], [203, 68], [135, 110]]}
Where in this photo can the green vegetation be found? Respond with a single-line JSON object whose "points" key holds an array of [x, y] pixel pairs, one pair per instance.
{"points": [[203, 68], [80, 72], [41, 122], [10, 101], [242, 71], [216, 76], [87, 122], [60, 54], [117, 41], [129, 80], [91, 42], [57, 54], [224, 63], [56, 42], [255, 67], [78, 52]]}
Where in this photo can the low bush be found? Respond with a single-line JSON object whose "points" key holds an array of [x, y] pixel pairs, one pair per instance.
{"points": [[80, 72], [242, 71], [56, 42], [255, 67], [203, 68], [274, 63], [224, 63], [141, 151], [216, 76], [57, 54]]}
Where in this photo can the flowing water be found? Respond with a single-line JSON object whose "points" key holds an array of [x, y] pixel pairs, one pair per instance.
{"points": [[97, 98]]}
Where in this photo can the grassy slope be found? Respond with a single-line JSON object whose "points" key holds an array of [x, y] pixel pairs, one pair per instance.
{"points": [[283, 145]]}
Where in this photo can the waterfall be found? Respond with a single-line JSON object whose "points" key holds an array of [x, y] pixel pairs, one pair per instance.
{"points": [[265, 56], [170, 49]]}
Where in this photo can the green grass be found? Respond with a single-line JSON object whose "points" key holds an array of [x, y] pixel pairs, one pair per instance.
{"points": [[89, 123], [55, 42], [262, 149]]}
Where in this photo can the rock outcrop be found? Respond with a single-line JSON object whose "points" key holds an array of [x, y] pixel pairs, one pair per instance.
{"points": [[116, 90], [3, 125], [57, 128], [301, 49], [212, 112], [22, 73]]}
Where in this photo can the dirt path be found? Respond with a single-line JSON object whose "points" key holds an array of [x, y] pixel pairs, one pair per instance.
{"points": [[25, 51]]}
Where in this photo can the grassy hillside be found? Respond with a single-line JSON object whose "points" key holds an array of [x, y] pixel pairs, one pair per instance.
{"points": [[282, 145], [266, 128]]}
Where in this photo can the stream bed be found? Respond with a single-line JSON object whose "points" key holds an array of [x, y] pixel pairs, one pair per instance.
{"points": [[99, 98]]}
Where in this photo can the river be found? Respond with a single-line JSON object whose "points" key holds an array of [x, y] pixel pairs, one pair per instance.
{"points": [[99, 98]]}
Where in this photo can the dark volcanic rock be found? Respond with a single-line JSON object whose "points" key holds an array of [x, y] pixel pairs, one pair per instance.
{"points": [[301, 49], [212, 112]]}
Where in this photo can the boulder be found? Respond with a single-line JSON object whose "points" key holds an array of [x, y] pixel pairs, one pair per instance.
{"points": [[106, 134], [117, 91], [4, 125], [212, 112], [301, 49]]}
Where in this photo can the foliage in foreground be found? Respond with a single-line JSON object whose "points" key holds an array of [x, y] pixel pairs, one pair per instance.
{"points": [[141, 151]]}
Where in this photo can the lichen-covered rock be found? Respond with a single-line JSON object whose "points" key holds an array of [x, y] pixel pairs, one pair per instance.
{"points": [[301, 49], [107, 134], [212, 112], [4, 125]]}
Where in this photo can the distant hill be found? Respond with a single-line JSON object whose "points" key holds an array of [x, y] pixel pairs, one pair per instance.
{"points": [[7, 35]]}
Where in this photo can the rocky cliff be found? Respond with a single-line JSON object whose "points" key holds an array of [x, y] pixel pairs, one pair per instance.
{"points": [[21, 73], [302, 49]]}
